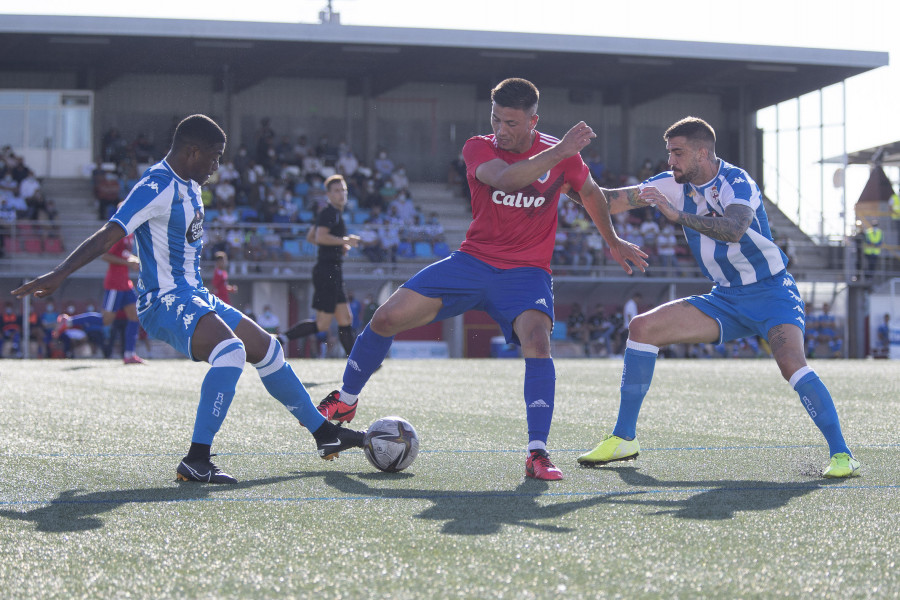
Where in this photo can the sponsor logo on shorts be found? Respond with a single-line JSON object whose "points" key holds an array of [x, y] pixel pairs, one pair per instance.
{"points": [[188, 319], [168, 300], [179, 310]]}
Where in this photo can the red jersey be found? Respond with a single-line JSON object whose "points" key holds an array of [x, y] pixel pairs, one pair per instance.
{"points": [[220, 285], [118, 277], [518, 229]]}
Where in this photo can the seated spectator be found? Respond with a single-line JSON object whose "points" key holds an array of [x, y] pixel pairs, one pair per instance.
{"points": [[600, 331], [576, 325], [142, 149], [75, 331], [347, 163], [666, 243], [7, 223], [107, 191], [11, 332], [384, 166], [224, 193], [433, 229], [405, 208], [399, 178]]}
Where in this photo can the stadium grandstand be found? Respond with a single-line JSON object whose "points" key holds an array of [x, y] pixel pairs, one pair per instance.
{"points": [[87, 102]]}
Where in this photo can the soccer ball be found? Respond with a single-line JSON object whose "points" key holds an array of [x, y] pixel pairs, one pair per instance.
{"points": [[391, 444]]}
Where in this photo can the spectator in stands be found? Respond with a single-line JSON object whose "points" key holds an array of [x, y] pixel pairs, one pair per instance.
{"points": [[224, 193], [873, 241], [371, 199], [400, 179], [7, 223], [269, 321], [576, 325], [142, 149], [665, 248], [631, 308], [113, 146], [74, 331], [119, 296], [107, 191], [600, 331], [384, 166], [433, 228], [11, 342], [347, 163], [369, 309], [9, 191], [405, 208]]}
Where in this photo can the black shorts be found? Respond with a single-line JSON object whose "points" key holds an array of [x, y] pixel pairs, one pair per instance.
{"points": [[328, 282]]}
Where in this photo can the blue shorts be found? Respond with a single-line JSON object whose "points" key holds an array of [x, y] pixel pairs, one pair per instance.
{"points": [[116, 300], [172, 317], [753, 309], [465, 283]]}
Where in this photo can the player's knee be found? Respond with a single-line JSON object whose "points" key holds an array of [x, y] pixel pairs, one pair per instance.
{"points": [[229, 353], [386, 322], [640, 330]]}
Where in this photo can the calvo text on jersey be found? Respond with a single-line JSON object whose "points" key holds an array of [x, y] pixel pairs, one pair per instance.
{"points": [[500, 197]]}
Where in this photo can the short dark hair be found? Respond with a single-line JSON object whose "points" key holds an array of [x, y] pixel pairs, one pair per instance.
{"points": [[337, 177], [694, 129], [199, 130], [516, 92]]}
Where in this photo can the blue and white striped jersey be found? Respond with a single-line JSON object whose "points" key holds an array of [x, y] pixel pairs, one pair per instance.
{"points": [[165, 213], [755, 256]]}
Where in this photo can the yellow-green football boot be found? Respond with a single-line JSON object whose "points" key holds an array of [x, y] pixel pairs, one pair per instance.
{"points": [[611, 449], [842, 465]]}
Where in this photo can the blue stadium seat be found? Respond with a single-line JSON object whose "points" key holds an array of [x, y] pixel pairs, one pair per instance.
{"points": [[559, 330], [248, 214], [291, 248], [422, 250], [404, 250], [309, 249], [441, 249]]}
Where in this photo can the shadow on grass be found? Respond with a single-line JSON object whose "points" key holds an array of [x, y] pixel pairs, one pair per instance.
{"points": [[72, 511], [474, 513], [713, 500]]}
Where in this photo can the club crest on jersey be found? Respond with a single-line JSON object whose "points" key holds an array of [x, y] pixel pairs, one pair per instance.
{"points": [[714, 192]]}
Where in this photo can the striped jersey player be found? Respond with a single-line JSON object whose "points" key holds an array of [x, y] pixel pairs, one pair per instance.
{"points": [[720, 208]]}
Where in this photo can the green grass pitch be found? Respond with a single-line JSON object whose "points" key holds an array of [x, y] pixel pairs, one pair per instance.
{"points": [[725, 500]]}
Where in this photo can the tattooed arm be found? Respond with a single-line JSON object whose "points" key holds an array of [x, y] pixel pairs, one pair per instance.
{"points": [[729, 228]]}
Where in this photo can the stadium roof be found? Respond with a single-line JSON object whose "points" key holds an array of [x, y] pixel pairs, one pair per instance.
{"points": [[884, 155], [101, 49]]}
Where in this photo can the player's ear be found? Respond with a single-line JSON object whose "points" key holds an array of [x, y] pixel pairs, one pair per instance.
{"points": [[534, 120]]}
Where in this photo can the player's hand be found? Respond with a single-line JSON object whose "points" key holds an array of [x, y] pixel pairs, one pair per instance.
{"points": [[42, 286], [654, 197], [625, 252], [351, 241], [134, 264], [576, 139]]}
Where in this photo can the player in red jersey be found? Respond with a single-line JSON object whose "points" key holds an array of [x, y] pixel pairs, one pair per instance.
{"points": [[119, 295], [516, 176], [220, 286]]}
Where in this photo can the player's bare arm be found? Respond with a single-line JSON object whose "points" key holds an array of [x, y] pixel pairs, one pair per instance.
{"points": [[730, 227], [622, 199], [509, 178], [594, 201], [324, 238], [96, 245]]}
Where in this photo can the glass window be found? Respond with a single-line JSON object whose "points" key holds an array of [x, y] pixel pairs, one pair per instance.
{"points": [[12, 98], [75, 129], [43, 98], [12, 127], [41, 127]]}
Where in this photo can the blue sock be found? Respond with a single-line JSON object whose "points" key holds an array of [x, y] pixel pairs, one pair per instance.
{"points": [[283, 384], [540, 390], [818, 403], [367, 355], [131, 333], [226, 365], [637, 373]]}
